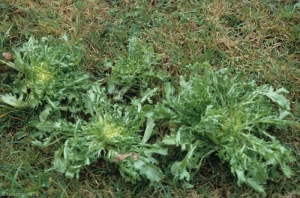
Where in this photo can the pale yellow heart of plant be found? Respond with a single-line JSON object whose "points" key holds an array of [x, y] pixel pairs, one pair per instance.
{"points": [[42, 73], [111, 131]]}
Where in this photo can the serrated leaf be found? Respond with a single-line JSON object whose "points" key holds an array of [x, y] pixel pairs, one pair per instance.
{"points": [[287, 170], [45, 144], [169, 91], [152, 172], [148, 94], [278, 98], [12, 100], [179, 170], [59, 162], [155, 149], [129, 173], [72, 171], [45, 113], [241, 176], [255, 186], [283, 114], [48, 126]]}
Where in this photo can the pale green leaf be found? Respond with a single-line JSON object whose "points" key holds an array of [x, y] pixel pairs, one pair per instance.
{"points": [[169, 91], [72, 171], [45, 113], [152, 172], [38, 144], [256, 186], [48, 126], [278, 98], [169, 140], [154, 149], [148, 131], [241, 176], [179, 170], [12, 100], [283, 114], [59, 162]]}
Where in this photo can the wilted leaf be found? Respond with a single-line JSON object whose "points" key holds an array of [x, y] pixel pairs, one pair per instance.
{"points": [[8, 56], [121, 157]]}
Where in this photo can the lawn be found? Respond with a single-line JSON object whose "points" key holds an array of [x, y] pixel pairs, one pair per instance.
{"points": [[150, 98]]}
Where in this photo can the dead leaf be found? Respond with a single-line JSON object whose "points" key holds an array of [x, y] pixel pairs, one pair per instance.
{"points": [[121, 157], [8, 56], [193, 25]]}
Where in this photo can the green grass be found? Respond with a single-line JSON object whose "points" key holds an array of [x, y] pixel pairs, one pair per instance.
{"points": [[258, 38]]}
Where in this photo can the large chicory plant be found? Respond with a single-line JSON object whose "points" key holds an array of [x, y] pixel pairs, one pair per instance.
{"points": [[113, 133], [212, 112], [50, 73]]}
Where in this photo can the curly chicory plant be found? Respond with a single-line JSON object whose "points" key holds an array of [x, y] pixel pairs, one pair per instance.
{"points": [[49, 73], [112, 133], [134, 71], [214, 113]]}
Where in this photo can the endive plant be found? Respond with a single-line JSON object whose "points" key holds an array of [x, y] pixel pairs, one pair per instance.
{"points": [[113, 133], [49, 72], [214, 113], [133, 71]]}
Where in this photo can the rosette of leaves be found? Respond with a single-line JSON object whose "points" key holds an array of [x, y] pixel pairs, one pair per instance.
{"points": [[133, 71], [110, 139], [113, 133], [212, 112], [49, 72]]}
